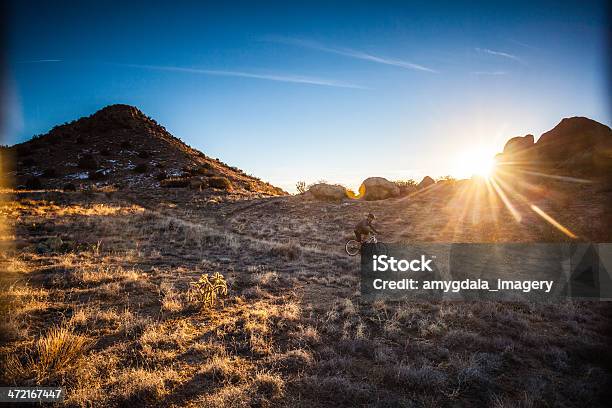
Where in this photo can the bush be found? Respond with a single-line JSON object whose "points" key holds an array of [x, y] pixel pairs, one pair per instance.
{"points": [[204, 170], [69, 187], [175, 182], [87, 161], [53, 355], [406, 186], [33, 183], [301, 187], [141, 168], [222, 183]]}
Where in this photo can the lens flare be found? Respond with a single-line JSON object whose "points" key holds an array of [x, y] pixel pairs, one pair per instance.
{"points": [[477, 162]]}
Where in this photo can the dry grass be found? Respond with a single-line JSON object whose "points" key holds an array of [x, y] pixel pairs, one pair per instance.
{"points": [[108, 317], [52, 357]]}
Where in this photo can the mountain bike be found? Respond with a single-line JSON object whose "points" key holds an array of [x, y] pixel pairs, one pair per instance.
{"points": [[353, 247]]}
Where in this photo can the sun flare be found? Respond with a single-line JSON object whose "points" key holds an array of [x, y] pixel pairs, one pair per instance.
{"points": [[474, 162]]}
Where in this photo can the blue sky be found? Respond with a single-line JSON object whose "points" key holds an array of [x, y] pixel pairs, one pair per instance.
{"points": [[334, 90]]}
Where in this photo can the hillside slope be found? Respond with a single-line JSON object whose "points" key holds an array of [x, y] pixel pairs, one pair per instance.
{"points": [[119, 145]]}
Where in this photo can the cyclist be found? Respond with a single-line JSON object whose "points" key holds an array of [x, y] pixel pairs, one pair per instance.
{"points": [[364, 228]]}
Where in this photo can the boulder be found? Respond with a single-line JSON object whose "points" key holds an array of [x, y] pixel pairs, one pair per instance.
{"points": [[426, 182], [378, 188], [519, 151], [516, 144], [575, 145], [328, 192]]}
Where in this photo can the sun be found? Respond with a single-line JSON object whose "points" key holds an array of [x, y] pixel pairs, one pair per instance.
{"points": [[477, 161]]}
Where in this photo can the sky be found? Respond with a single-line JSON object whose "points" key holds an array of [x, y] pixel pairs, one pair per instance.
{"points": [[309, 91]]}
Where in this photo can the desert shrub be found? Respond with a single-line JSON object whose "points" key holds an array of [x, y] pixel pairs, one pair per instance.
{"points": [[69, 187], [204, 170], [406, 186], [29, 162], [141, 168], [143, 154], [446, 179], [290, 250], [87, 161], [196, 184], [126, 144], [223, 369], [301, 187], [269, 386], [338, 390], [175, 182], [421, 378], [222, 183], [54, 355], [33, 183], [49, 173], [294, 360], [138, 387]]}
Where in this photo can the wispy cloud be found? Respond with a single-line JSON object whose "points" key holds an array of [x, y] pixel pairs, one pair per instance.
{"points": [[38, 61], [348, 52], [522, 44], [501, 54], [298, 79]]}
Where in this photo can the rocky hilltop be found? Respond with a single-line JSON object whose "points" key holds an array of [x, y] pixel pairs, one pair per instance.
{"points": [[577, 146], [121, 146]]}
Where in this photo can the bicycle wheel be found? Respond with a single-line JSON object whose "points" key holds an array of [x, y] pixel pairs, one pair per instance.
{"points": [[352, 247]]}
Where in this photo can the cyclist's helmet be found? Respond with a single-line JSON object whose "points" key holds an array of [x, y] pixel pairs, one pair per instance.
{"points": [[371, 216]]}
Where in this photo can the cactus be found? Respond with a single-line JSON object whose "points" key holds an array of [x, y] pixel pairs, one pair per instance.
{"points": [[207, 290]]}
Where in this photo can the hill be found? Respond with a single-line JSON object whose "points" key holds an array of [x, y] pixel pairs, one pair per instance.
{"points": [[577, 146], [121, 146]]}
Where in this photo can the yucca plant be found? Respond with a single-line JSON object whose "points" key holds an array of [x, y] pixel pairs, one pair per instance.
{"points": [[207, 289]]}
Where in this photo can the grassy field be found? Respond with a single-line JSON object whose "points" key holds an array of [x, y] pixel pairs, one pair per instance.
{"points": [[95, 298]]}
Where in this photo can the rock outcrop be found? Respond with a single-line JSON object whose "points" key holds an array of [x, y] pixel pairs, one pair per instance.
{"points": [[426, 182], [327, 192], [577, 146], [378, 188], [519, 143]]}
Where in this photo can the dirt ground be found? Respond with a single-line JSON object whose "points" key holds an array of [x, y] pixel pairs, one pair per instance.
{"points": [[95, 298]]}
